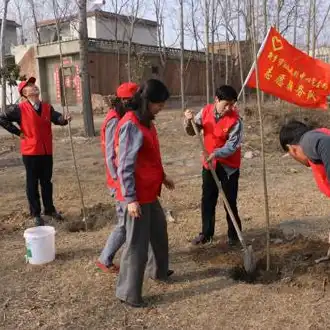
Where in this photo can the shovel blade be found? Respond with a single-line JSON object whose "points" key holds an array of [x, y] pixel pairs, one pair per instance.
{"points": [[250, 263]]}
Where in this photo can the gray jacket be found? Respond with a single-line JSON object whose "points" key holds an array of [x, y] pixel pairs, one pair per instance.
{"points": [[234, 141]]}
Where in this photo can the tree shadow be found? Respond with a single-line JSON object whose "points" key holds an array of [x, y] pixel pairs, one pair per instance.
{"points": [[190, 292]]}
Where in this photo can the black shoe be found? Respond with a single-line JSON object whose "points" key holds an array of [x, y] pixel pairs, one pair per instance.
{"points": [[170, 272], [201, 239], [55, 215], [233, 241], [39, 221], [142, 304]]}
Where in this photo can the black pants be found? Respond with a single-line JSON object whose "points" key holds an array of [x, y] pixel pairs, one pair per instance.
{"points": [[210, 195], [39, 169]]}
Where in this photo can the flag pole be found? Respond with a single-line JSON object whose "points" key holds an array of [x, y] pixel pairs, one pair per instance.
{"points": [[254, 64]]}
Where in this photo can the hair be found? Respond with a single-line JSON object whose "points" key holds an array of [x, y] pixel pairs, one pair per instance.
{"points": [[151, 91], [226, 93], [292, 132], [119, 105]]}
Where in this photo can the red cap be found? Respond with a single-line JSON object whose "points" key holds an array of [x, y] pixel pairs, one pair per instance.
{"points": [[127, 90], [22, 84]]}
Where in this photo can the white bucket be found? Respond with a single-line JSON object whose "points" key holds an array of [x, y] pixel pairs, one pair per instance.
{"points": [[40, 244]]}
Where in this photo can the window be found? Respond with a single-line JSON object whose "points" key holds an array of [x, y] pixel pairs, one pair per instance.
{"points": [[155, 70]]}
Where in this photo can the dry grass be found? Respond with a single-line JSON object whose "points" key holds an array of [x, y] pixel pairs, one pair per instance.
{"points": [[70, 294]]}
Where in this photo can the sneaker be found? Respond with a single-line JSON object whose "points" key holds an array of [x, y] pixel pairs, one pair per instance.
{"points": [[201, 239], [39, 221], [107, 269]]}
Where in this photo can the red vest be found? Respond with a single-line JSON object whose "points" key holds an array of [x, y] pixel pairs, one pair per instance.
{"points": [[37, 130], [319, 172], [149, 172], [111, 183], [216, 135]]}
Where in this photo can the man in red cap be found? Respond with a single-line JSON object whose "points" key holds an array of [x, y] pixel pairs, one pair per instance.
{"points": [[34, 119], [118, 236]]}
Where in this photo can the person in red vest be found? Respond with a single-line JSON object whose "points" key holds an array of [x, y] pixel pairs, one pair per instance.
{"points": [[34, 119], [118, 236], [222, 130], [141, 176], [310, 147]]}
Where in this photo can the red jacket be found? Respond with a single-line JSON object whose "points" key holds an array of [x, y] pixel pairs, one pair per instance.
{"points": [[319, 172], [149, 172], [111, 183], [37, 130], [216, 135]]}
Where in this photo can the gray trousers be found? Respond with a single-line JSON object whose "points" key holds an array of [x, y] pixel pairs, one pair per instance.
{"points": [[116, 239], [150, 227]]}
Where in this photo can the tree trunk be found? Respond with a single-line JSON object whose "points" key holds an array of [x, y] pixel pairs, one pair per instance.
{"points": [[35, 21], [278, 13], [314, 28], [182, 69], [213, 11], [3, 54], [295, 26], [309, 23], [262, 143], [83, 54], [207, 59], [240, 54], [195, 32], [129, 73]]}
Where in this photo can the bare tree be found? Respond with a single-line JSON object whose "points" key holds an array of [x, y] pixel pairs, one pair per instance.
{"points": [[60, 14], [314, 27], [35, 20], [207, 58], [182, 69], [116, 7], [241, 69], [3, 55], [295, 23], [159, 12], [309, 25], [83, 55], [213, 30], [133, 12], [194, 12], [19, 6], [263, 159]]}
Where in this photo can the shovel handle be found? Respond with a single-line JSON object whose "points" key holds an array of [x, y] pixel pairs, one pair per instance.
{"points": [[218, 183]]}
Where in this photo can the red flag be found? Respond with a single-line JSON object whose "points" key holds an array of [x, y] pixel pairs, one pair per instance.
{"points": [[290, 74]]}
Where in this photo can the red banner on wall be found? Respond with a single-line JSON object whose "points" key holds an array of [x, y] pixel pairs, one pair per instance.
{"points": [[77, 82], [57, 83]]}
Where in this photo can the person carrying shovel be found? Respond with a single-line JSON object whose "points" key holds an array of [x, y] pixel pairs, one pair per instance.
{"points": [[141, 176], [118, 236], [222, 130], [34, 119]]}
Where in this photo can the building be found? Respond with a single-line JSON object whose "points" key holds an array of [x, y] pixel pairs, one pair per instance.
{"points": [[10, 35], [102, 25], [107, 61]]}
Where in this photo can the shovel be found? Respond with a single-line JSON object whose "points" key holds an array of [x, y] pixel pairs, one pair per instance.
{"points": [[249, 259]]}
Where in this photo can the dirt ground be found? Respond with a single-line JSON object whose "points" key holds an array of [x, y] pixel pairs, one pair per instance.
{"points": [[207, 290]]}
